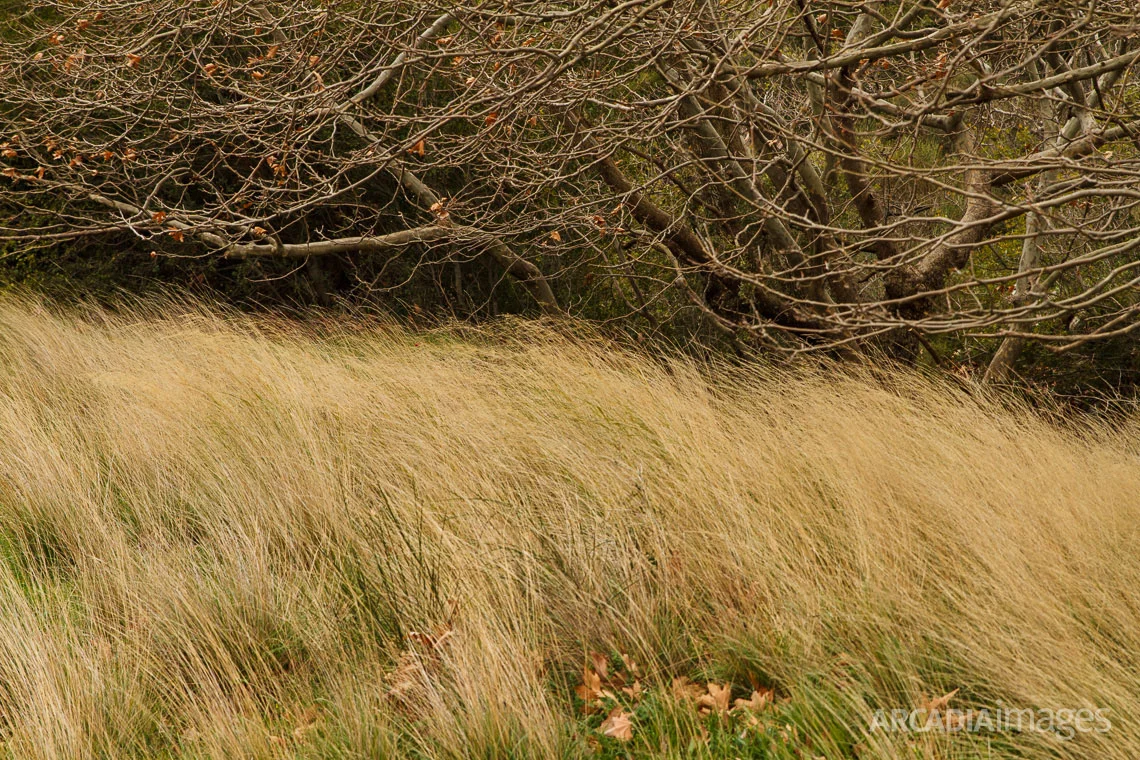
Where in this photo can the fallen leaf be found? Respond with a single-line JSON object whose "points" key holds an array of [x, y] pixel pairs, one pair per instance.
{"points": [[757, 702], [307, 722], [597, 659], [590, 687], [684, 689], [618, 725], [940, 703], [717, 698]]}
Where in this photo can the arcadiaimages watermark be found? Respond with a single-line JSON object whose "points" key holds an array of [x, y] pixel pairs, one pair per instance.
{"points": [[1064, 723]]}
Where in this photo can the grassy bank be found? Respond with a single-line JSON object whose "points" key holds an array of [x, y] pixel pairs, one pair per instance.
{"points": [[225, 538]]}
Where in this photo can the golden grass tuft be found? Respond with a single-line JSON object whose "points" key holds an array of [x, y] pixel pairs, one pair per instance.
{"points": [[218, 536]]}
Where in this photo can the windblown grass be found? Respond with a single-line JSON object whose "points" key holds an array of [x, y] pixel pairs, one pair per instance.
{"points": [[218, 535]]}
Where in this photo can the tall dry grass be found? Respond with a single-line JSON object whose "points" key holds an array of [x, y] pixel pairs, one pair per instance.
{"points": [[218, 536]]}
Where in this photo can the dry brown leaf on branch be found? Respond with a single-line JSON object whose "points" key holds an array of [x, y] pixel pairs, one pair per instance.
{"points": [[439, 208], [619, 725]]}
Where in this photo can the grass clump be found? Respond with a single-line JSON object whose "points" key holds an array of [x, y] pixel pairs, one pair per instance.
{"points": [[225, 537]]}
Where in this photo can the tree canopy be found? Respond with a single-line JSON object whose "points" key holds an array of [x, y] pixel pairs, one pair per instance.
{"points": [[791, 175]]}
